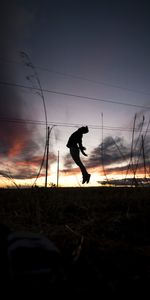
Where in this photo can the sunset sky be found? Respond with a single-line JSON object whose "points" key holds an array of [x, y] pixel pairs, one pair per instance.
{"points": [[92, 61]]}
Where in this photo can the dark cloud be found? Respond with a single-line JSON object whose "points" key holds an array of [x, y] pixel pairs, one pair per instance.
{"points": [[140, 167], [12, 136], [25, 166], [147, 146], [128, 182], [111, 151], [68, 161], [20, 143], [116, 151]]}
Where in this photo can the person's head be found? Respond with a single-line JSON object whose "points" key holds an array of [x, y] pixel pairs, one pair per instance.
{"points": [[84, 129]]}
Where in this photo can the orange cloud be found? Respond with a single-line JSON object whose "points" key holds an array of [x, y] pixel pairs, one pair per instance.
{"points": [[35, 161], [17, 147]]}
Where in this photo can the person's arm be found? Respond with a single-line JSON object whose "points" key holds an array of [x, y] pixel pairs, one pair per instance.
{"points": [[81, 147]]}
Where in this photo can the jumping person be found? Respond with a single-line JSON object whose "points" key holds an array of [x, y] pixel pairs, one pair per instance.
{"points": [[75, 146]]}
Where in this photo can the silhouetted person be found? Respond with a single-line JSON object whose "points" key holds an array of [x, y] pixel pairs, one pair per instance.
{"points": [[75, 145]]}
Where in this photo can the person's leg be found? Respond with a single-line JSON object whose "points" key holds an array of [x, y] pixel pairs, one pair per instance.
{"points": [[76, 157]]}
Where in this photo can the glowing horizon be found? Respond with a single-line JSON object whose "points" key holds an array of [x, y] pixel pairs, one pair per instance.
{"points": [[72, 178]]}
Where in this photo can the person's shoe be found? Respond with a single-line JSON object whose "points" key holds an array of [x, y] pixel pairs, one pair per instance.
{"points": [[84, 179], [88, 178]]}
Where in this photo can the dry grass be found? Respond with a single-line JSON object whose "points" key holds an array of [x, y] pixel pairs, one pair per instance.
{"points": [[108, 229]]}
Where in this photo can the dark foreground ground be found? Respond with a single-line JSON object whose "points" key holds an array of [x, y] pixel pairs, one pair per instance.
{"points": [[103, 235]]}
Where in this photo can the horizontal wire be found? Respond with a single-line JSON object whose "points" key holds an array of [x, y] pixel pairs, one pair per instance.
{"points": [[78, 77], [60, 124], [73, 95]]}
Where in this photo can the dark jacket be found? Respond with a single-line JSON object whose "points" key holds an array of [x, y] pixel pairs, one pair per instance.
{"points": [[75, 140]]}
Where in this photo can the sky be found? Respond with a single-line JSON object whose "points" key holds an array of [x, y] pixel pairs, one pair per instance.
{"points": [[67, 64]]}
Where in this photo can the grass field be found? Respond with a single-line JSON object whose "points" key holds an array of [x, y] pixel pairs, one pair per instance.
{"points": [[109, 228]]}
